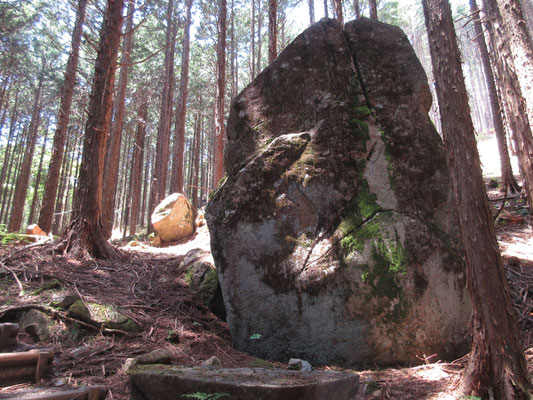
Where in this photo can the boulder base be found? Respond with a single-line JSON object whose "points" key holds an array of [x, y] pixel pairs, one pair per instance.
{"points": [[165, 382], [173, 218], [335, 235]]}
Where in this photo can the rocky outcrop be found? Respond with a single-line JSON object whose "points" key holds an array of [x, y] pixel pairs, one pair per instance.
{"points": [[334, 235], [173, 219]]}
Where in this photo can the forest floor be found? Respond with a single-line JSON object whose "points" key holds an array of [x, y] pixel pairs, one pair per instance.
{"points": [[149, 285]]}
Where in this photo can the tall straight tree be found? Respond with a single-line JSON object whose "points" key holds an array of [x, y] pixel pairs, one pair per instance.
{"points": [[272, 30], [23, 179], [508, 180], [220, 92], [176, 183], [136, 168], [521, 45], [338, 11], [115, 137], [356, 9], [373, 9], [496, 363], [311, 11], [52, 181], [84, 237], [510, 90], [159, 174]]}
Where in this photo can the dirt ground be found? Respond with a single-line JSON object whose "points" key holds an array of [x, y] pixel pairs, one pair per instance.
{"points": [[149, 286]]}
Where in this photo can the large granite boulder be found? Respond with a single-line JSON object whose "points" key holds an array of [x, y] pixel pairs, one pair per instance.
{"points": [[334, 235]]}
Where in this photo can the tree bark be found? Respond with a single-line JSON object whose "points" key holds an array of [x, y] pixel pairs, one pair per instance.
{"points": [[221, 85], [196, 173], [136, 168], [326, 9], [356, 9], [373, 9], [272, 30], [149, 161], [521, 46], [52, 181], [510, 89], [259, 35], [85, 237], [508, 180], [159, 174], [23, 180], [311, 11], [496, 363], [176, 184], [252, 42], [338, 11], [9, 147], [35, 198], [112, 157]]}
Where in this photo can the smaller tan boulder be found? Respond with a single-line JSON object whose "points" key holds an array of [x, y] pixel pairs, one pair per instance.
{"points": [[34, 229], [173, 218]]}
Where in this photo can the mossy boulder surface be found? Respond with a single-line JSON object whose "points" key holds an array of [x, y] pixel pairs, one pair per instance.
{"points": [[107, 316], [334, 235]]}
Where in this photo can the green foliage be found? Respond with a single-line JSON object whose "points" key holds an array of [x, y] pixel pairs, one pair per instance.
{"points": [[205, 396], [255, 336]]}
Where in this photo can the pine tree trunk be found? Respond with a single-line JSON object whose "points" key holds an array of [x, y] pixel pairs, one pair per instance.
{"points": [[9, 147], [496, 363], [31, 217], [23, 180], [517, 34], [159, 174], [112, 157], [220, 92], [508, 180], [338, 11], [509, 88], [233, 50], [272, 30], [52, 181], [326, 9], [149, 161], [373, 9], [58, 206], [196, 173], [311, 11], [176, 183], [252, 42], [136, 167], [259, 36], [85, 237], [356, 9], [13, 161]]}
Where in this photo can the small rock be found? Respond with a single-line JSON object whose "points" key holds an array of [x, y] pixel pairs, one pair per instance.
{"points": [[212, 362], [34, 229], [64, 300], [158, 356], [37, 325], [60, 382], [155, 241], [299, 365], [79, 351], [370, 386]]}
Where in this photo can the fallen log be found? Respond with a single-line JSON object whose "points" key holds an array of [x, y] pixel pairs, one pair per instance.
{"points": [[86, 393], [24, 365]]}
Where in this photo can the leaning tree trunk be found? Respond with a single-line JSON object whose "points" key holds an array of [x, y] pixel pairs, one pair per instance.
{"points": [[112, 157], [23, 180], [52, 181], [272, 30], [496, 363], [84, 237], [514, 102], [176, 183], [508, 180], [221, 84]]}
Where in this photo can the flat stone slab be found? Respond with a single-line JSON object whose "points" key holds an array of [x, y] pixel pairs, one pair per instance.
{"points": [[162, 382]]}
